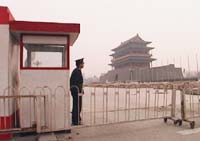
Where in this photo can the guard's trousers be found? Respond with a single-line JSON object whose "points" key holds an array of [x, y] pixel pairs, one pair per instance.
{"points": [[77, 106]]}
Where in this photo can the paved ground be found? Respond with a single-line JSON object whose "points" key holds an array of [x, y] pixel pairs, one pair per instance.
{"points": [[154, 130]]}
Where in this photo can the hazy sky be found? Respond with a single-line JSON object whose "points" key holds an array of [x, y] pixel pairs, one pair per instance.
{"points": [[173, 26]]}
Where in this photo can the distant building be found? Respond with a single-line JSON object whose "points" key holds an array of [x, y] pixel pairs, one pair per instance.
{"points": [[132, 53], [132, 61]]}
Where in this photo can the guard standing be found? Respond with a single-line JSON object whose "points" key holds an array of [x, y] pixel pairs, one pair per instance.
{"points": [[76, 87]]}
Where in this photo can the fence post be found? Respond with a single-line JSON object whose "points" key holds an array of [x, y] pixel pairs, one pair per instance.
{"points": [[173, 109], [38, 122], [183, 106]]}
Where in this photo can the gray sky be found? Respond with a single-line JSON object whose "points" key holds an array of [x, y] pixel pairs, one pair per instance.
{"points": [[173, 26]]}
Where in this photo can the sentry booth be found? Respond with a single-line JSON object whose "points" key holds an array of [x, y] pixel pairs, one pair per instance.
{"points": [[34, 74]]}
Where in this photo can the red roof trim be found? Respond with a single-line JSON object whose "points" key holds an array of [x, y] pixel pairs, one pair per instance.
{"points": [[5, 15], [44, 27], [44, 68]]}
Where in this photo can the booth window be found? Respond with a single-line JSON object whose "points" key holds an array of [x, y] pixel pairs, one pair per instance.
{"points": [[44, 53]]}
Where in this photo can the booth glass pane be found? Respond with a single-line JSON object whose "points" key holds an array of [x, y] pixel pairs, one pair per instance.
{"points": [[46, 59], [24, 57], [44, 56]]}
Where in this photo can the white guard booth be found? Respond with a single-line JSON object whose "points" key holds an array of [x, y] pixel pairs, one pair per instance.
{"points": [[35, 60]]}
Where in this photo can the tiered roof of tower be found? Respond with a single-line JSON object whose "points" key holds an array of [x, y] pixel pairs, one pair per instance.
{"points": [[131, 53], [136, 39]]}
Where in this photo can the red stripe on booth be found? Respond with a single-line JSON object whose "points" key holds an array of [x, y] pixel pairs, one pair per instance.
{"points": [[6, 123]]}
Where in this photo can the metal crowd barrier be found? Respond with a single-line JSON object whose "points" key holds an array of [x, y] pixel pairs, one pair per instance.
{"points": [[34, 110], [109, 104], [12, 122], [116, 103], [189, 104], [101, 105]]}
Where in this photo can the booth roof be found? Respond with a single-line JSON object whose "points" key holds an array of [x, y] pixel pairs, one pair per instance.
{"points": [[61, 28], [18, 28]]}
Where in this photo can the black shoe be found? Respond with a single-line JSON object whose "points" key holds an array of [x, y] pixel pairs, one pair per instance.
{"points": [[76, 124]]}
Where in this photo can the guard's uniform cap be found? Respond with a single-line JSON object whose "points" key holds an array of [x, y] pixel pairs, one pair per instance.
{"points": [[79, 61]]}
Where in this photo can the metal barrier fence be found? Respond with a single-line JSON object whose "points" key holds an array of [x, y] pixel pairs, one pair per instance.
{"points": [[115, 103], [103, 104], [44, 110], [39, 110], [190, 103]]}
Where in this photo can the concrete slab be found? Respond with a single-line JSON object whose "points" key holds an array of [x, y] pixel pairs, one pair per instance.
{"points": [[47, 137], [26, 138], [155, 130], [189, 131]]}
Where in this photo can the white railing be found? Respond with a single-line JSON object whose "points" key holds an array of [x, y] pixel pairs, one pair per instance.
{"points": [[39, 110], [46, 110]]}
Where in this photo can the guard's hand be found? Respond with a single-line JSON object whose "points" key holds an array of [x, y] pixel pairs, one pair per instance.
{"points": [[82, 91]]}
